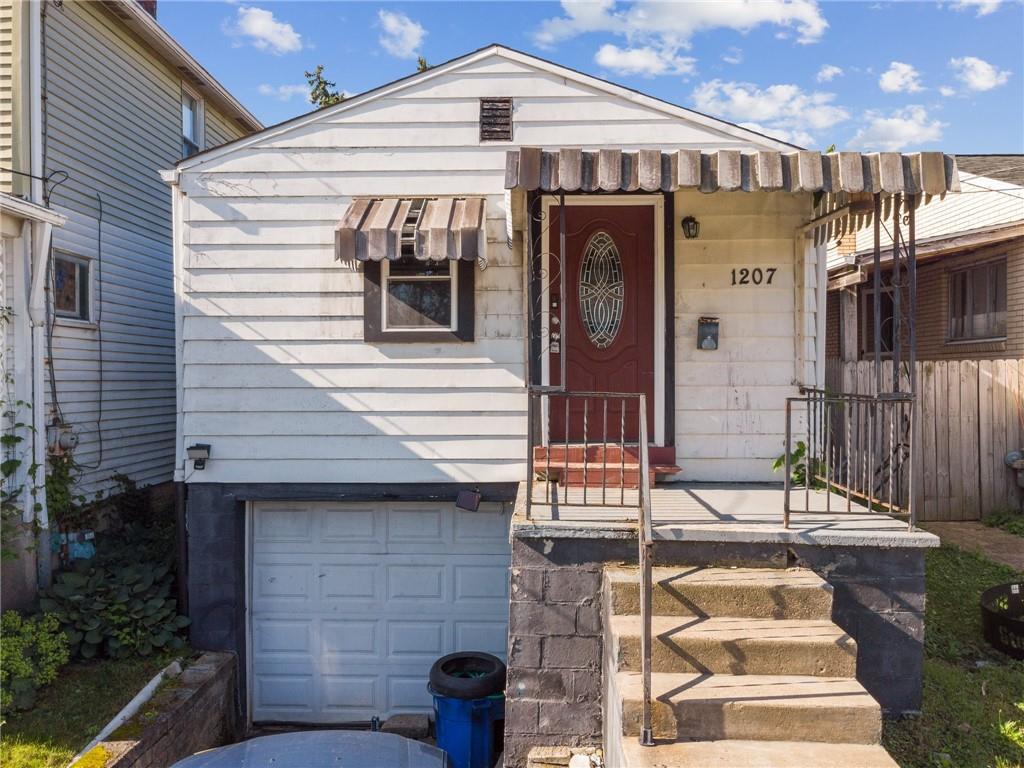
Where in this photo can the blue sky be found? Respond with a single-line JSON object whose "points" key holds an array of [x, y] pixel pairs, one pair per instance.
{"points": [[862, 75]]}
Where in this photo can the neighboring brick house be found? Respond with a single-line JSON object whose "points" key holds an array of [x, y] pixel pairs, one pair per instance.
{"points": [[970, 273]]}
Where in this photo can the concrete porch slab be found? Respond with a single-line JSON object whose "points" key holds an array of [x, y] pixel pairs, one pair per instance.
{"points": [[746, 513]]}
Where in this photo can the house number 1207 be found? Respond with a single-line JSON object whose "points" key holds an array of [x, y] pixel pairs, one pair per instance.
{"points": [[757, 276]]}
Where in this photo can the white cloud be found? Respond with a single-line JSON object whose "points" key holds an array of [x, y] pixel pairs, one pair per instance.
{"points": [[828, 73], [782, 110], [733, 56], [643, 61], [400, 36], [262, 30], [668, 27], [901, 128], [947, 91], [984, 7], [900, 78], [283, 92], [977, 74]]}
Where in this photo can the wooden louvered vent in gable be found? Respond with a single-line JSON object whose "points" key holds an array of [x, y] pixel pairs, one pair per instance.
{"points": [[495, 119]]}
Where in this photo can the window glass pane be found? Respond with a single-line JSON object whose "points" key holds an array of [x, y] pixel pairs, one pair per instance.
{"points": [[415, 267], [188, 118], [979, 302], [998, 323], [71, 288], [419, 303]]}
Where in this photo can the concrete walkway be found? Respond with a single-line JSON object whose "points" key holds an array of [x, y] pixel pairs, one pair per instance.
{"points": [[994, 543]]}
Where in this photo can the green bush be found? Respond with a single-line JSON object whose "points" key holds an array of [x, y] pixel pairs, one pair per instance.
{"points": [[32, 651], [119, 610]]}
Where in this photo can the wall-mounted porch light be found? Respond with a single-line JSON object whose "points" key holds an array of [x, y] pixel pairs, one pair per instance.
{"points": [[199, 453], [691, 227]]}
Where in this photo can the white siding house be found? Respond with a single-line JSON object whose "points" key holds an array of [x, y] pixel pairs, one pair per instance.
{"points": [[323, 528], [91, 100], [275, 374]]}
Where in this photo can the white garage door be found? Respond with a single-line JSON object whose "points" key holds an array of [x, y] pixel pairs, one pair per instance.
{"points": [[352, 603]]}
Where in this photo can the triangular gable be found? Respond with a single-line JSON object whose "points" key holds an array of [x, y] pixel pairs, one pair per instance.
{"points": [[643, 103]]}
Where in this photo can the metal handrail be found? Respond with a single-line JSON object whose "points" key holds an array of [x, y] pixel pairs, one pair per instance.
{"points": [[645, 538], [858, 445]]}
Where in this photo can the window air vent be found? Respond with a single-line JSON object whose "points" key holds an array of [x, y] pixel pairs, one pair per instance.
{"points": [[495, 119]]}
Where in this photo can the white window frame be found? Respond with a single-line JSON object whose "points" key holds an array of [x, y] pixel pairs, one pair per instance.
{"points": [[453, 279], [200, 119], [87, 262]]}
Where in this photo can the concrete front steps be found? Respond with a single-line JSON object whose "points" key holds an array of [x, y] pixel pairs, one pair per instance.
{"points": [[749, 671]]}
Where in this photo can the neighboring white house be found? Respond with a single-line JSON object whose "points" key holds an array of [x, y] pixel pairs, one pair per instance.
{"points": [[367, 312], [95, 99]]}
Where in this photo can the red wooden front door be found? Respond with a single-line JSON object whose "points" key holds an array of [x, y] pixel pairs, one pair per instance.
{"points": [[608, 332]]}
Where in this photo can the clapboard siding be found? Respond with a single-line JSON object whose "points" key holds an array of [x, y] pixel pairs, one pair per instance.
{"points": [[7, 12], [275, 375], [112, 123], [730, 421]]}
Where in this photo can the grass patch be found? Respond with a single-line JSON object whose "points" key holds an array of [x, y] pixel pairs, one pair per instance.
{"points": [[1007, 520], [71, 711], [973, 709]]}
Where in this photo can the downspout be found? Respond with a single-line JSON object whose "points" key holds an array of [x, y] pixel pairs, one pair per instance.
{"points": [[40, 249]]}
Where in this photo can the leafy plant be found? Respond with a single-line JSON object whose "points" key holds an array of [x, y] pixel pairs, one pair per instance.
{"points": [[11, 486], [322, 92], [1009, 520], [32, 651], [117, 610], [68, 508], [797, 465]]}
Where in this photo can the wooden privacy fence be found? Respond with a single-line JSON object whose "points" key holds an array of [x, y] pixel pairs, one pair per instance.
{"points": [[967, 417]]}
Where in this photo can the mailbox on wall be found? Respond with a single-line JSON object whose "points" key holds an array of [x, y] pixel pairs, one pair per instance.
{"points": [[707, 333]]}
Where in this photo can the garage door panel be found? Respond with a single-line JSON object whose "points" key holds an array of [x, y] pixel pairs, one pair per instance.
{"points": [[352, 526], [283, 636], [487, 636], [425, 639], [350, 639], [353, 622]]}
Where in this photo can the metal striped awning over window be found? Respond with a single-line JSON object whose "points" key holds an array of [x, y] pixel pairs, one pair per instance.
{"points": [[430, 229], [652, 170]]}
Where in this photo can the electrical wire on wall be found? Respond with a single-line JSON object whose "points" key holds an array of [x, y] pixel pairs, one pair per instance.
{"points": [[99, 333]]}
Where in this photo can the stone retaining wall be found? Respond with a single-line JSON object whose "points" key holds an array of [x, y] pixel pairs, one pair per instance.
{"points": [[187, 714]]}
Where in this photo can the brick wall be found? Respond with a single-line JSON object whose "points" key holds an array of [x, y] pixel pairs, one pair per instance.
{"points": [[933, 309], [194, 711], [933, 306]]}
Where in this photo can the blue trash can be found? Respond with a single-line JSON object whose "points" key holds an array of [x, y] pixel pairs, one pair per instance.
{"points": [[466, 728]]}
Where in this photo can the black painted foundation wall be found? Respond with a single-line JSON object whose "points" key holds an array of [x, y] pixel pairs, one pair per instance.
{"points": [[555, 629]]}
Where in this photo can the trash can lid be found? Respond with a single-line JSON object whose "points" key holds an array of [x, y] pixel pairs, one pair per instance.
{"points": [[321, 749]]}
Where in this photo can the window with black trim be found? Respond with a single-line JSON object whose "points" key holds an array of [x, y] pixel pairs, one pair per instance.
{"points": [[409, 300], [71, 287], [977, 302]]}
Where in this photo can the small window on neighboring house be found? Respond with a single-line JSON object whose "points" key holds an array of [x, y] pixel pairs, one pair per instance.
{"points": [[191, 124], [495, 119], [71, 287], [977, 302]]}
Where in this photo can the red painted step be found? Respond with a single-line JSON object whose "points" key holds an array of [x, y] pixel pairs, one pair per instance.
{"points": [[612, 454]]}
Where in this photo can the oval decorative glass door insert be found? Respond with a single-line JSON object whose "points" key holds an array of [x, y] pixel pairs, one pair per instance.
{"points": [[601, 290]]}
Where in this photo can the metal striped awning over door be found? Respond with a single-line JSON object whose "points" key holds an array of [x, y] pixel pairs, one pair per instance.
{"points": [[429, 229], [572, 169]]}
